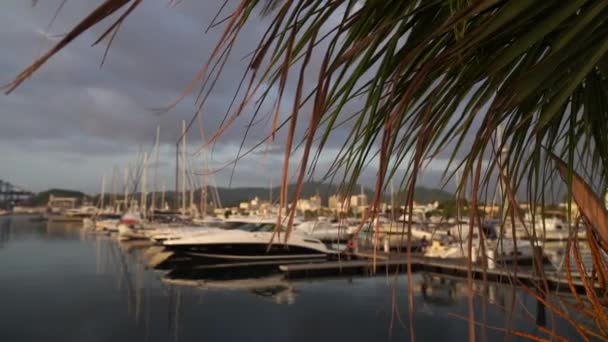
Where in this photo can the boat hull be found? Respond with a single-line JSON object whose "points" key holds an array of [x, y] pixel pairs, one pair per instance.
{"points": [[247, 252]]}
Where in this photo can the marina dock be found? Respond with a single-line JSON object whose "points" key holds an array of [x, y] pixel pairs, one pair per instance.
{"points": [[441, 267], [362, 264]]}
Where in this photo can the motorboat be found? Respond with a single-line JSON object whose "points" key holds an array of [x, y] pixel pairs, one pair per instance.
{"points": [[102, 221], [549, 228], [402, 228], [172, 231], [165, 232], [325, 231], [207, 221], [107, 222], [128, 227], [501, 251], [445, 250], [81, 212], [251, 242]]}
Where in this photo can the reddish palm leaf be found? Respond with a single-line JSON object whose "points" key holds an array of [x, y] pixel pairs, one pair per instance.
{"points": [[590, 206]]}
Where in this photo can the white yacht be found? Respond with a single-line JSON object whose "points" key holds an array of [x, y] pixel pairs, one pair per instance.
{"points": [[160, 232], [102, 222], [129, 226], [207, 221], [84, 211], [171, 231], [501, 251], [549, 228], [325, 231], [250, 242]]}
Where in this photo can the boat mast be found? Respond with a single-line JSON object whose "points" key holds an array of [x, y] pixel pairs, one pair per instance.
{"points": [[176, 194], [183, 167], [144, 194], [103, 190], [114, 190], [126, 196], [162, 197], [190, 187], [270, 190], [203, 199], [204, 186], [203, 193], [154, 179], [392, 201]]}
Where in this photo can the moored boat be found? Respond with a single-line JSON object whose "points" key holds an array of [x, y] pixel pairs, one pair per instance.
{"points": [[251, 242]]}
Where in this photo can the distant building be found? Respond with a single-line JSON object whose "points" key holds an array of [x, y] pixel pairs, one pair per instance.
{"points": [[312, 204], [316, 201], [338, 204], [573, 208], [489, 209], [358, 200], [254, 203], [265, 208], [421, 209], [58, 204]]}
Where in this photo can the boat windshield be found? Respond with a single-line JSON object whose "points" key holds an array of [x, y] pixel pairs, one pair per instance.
{"points": [[234, 225], [109, 216], [259, 227]]}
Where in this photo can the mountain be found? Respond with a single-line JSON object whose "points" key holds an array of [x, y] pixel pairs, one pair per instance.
{"points": [[424, 195], [233, 196]]}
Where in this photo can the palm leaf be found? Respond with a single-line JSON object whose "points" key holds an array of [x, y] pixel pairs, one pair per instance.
{"points": [[106, 9], [430, 77], [590, 206]]}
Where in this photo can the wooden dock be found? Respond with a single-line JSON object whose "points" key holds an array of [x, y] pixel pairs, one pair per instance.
{"points": [[436, 266]]}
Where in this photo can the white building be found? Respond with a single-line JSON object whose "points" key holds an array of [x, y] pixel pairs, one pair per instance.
{"points": [[338, 203], [358, 200], [312, 204]]}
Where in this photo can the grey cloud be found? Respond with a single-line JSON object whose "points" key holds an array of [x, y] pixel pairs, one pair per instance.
{"points": [[73, 108]]}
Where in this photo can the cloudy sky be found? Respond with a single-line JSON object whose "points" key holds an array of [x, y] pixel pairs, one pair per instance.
{"points": [[73, 121]]}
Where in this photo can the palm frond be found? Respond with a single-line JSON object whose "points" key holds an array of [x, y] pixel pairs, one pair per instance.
{"points": [[433, 77]]}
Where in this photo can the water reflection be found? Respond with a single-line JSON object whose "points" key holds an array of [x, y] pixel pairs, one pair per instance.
{"points": [[442, 290], [65, 230], [53, 276], [273, 287], [15, 228], [5, 230], [439, 290]]}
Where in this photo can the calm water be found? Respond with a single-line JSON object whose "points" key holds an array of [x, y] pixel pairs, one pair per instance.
{"points": [[59, 284]]}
